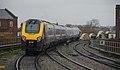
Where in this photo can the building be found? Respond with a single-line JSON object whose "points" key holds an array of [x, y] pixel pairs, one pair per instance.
{"points": [[88, 30], [8, 23], [118, 21]]}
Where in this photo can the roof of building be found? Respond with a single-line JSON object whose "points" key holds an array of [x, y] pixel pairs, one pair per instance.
{"points": [[117, 6], [85, 36], [6, 14]]}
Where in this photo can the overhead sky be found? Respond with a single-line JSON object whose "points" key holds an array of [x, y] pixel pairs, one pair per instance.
{"points": [[63, 11]]}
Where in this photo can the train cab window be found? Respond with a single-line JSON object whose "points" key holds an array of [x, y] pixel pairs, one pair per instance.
{"points": [[32, 27]]}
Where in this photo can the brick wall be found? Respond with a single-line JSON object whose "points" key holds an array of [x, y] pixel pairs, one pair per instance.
{"points": [[118, 21], [5, 27], [4, 24]]}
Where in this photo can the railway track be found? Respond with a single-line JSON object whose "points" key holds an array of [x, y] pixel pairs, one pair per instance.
{"points": [[63, 65], [106, 61], [31, 62], [27, 63], [100, 56], [4, 47], [75, 62], [83, 67]]}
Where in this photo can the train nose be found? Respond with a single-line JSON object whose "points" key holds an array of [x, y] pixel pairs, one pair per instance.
{"points": [[30, 42]]}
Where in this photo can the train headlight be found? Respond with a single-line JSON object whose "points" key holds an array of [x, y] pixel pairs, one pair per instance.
{"points": [[39, 39], [23, 38]]}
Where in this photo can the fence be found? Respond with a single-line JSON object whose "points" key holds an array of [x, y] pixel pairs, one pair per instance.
{"points": [[112, 46], [9, 40]]}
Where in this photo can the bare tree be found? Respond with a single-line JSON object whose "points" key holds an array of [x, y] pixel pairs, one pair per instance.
{"points": [[95, 23], [68, 25], [92, 23]]}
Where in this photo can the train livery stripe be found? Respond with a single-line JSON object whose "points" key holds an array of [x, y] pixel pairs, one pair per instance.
{"points": [[23, 28], [41, 29]]}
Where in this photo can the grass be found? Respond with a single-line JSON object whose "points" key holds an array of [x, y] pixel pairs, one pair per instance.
{"points": [[10, 52]]}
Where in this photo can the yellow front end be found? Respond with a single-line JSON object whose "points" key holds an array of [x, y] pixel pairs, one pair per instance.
{"points": [[32, 41], [32, 36]]}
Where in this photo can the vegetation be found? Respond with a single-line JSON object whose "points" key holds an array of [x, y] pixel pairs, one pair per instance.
{"points": [[9, 52]]}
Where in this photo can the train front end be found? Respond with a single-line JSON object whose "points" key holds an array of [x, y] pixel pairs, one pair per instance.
{"points": [[32, 35]]}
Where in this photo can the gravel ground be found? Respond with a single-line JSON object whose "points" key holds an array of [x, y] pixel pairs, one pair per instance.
{"points": [[27, 63], [8, 59], [68, 51], [66, 62], [48, 64]]}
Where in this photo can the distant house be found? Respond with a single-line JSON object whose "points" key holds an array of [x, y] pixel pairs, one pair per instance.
{"points": [[8, 22]]}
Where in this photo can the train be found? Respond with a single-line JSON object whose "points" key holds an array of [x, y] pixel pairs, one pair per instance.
{"points": [[38, 35]]}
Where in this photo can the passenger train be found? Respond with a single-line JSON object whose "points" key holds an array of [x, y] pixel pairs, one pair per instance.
{"points": [[37, 35]]}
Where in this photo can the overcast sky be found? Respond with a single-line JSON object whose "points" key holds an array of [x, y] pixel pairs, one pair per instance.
{"points": [[63, 11]]}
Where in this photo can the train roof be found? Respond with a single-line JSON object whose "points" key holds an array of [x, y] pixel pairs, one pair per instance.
{"points": [[52, 23]]}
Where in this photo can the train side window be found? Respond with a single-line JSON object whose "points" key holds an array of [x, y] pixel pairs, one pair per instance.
{"points": [[63, 31], [57, 31], [50, 31]]}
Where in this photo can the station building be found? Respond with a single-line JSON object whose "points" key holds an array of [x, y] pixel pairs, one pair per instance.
{"points": [[8, 23]]}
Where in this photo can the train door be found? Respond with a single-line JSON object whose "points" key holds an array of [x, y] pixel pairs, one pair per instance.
{"points": [[57, 32], [49, 30]]}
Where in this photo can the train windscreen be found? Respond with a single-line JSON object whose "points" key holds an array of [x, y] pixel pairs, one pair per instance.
{"points": [[32, 26]]}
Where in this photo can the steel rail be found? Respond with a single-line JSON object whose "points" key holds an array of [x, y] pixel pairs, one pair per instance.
{"points": [[36, 63], [17, 63]]}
